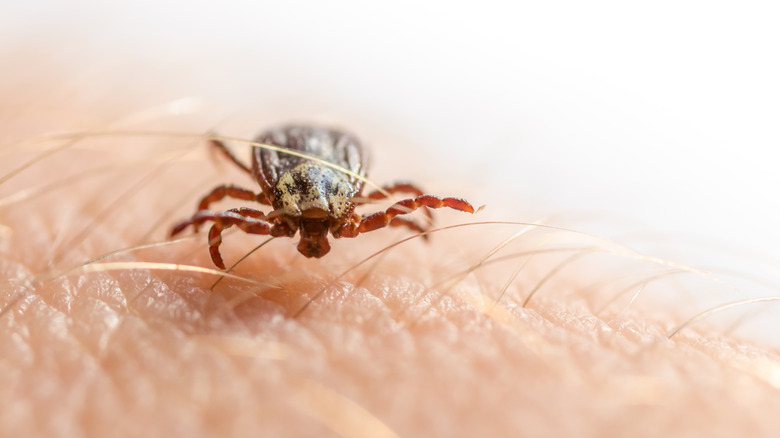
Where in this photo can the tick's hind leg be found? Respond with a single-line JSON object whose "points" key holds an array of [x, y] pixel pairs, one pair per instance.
{"points": [[222, 147], [382, 219]]}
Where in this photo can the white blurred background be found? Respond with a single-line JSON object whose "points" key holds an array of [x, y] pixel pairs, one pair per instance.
{"points": [[658, 116]]}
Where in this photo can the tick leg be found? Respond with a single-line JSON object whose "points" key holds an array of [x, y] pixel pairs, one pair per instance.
{"points": [[204, 215], [229, 190], [352, 228], [397, 187], [194, 221], [384, 218], [217, 194], [222, 147], [248, 220], [408, 223]]}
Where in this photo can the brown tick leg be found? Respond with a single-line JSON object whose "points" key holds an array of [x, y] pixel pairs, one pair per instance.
{"points": [[384, 218], [205, 215], [397, 187], [348, 229], [408, 223], [217, 194], [222, 147], [194, 220], [229, 190], [352, 227], [248, 220]]}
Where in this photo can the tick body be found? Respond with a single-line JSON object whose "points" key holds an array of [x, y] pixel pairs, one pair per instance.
{"points": [[306, 194]]}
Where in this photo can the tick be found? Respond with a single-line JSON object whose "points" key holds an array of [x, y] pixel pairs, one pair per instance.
{"points": [[306, 194]]}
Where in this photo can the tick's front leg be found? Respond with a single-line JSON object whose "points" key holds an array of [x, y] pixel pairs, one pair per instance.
{"points": [[388, 217], [352, 228], [248, 220], [348, 229]]}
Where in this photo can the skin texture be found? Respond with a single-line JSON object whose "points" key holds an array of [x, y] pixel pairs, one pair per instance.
{"points": [[409, 344]]}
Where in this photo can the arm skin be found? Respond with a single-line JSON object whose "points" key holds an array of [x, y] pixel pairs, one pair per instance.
{"points": [[140, 352]]}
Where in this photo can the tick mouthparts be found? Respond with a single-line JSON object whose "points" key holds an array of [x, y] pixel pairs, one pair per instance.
{"points": [[314, 246]]}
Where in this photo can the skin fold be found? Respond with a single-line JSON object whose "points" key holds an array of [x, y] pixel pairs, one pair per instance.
{"points": [[408, 343]]}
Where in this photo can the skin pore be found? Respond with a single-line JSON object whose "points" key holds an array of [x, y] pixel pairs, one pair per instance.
{"points": [[426, 339]]}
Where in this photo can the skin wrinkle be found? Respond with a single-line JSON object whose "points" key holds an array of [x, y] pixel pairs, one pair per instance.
{"points": [[421, 363]]}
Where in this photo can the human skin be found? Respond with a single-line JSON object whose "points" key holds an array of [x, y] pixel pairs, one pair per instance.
{"points": [[409, 343]]}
